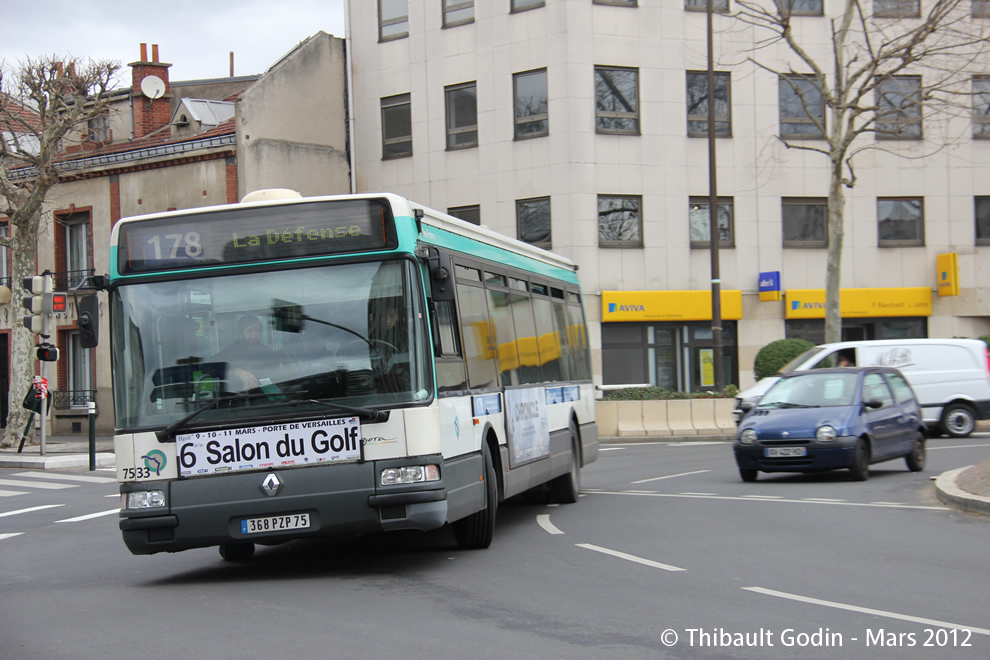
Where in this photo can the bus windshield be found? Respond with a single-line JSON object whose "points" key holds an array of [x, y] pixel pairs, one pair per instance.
{"points": [[266, 344]]}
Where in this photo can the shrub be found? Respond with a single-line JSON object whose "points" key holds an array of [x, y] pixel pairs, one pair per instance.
{"points": [[776, 354], [657, 393], [986, 340]]}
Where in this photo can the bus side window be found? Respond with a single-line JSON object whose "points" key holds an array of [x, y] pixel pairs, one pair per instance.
{"points": [[449, 363]]}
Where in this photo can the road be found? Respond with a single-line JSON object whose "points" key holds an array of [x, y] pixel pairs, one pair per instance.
{"points": [[667, 555]]}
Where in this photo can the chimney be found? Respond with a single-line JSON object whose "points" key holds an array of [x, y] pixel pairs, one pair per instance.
{"points": [[150, 99]]}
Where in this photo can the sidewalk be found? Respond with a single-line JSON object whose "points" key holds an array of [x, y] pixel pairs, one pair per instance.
{"points": [[966, 488]]}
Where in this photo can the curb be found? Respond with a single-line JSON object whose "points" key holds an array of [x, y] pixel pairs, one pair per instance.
{"points": [[948, 493], [54, 462], [628, 440]]}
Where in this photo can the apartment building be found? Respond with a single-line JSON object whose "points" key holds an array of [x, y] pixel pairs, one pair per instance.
{"points": [[581, 126]]}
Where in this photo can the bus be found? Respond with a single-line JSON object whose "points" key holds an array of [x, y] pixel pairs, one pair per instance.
{"points": [[291, 367]]}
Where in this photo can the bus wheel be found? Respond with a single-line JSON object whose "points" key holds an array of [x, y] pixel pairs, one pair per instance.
{"points": [[237, 551], [566, 488], [476, 530]]}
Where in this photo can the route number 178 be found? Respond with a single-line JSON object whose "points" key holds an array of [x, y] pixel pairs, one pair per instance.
{"points": [[177, 245]]}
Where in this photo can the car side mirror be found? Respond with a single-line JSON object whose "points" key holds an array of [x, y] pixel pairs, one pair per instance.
{"points": [[873, 403], [746, 406]]}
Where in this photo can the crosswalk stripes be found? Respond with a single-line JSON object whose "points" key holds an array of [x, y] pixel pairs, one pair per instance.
{"points": [[46, 481], [66, 477], [35, 484]]}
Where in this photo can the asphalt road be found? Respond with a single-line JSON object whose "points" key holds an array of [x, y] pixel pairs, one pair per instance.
{"points": [[668, 554]]}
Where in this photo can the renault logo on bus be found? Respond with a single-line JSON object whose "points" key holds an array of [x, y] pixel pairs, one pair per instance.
{"points": [[270, 485]]}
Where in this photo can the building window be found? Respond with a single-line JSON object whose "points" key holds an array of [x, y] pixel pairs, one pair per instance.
{"points": [[533, 219], [981, 9], [5, 259], [523, 5], [900, 222], [804, 7], [804, 222], [702, 5], [530, 89], [699, 216], [802, 107], [697, 104], [899, 112], [982, 205], [393, 19], [99, 128], [617, 3], [897, 8], [80, 376], [470, 214], [981, 107], [616, 100], [73, 250], [462, 115], [620, 221], [457, 12], [396, 127]]}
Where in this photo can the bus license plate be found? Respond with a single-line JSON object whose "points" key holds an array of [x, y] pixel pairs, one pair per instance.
{"points": [[275, 523], [776, 452]]}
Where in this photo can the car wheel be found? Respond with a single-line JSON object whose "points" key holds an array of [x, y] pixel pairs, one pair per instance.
{"points": [[859, 469], [916, 459], [748, 476], [958, 420]]}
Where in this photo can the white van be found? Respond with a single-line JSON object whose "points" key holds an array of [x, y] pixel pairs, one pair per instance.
{"points": [[951, 377]]}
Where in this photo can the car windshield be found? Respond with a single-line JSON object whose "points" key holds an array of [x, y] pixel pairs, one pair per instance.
{"points": [[289, 342], [812, 390]]}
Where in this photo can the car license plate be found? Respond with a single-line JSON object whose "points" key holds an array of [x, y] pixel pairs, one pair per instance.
{"points": [[778, 452], [275, 523]]}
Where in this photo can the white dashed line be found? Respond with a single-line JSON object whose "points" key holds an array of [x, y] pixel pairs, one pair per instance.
{"points": [[711, 496], [66, 477], [866, 610], [670, 476], [9, 536], [627, 557], [34, 508], [89, 516], [35, 484]]}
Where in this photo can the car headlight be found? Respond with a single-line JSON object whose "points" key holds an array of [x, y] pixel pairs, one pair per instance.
{"points": [[747, 437], [825, 433]]}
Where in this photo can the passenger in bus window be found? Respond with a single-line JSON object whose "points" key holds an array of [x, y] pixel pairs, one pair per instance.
{"points": [[247, 356]]}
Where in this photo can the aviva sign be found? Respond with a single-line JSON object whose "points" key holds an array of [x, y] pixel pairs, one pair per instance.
{"points": [[667, 305], [860, 303]]}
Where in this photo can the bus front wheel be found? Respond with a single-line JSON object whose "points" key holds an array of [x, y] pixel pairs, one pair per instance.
{"points": [[476, 530]]}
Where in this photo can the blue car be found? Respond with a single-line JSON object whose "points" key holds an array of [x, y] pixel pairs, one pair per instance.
{"points": [[830, 419]]}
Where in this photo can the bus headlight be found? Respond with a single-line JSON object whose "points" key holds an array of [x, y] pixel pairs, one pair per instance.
{"points": [[747, 437], [410, 474], [143, 499]]}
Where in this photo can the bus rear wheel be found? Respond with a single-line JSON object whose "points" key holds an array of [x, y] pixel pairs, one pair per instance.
{"points": [[566, 488], [476, 530]]}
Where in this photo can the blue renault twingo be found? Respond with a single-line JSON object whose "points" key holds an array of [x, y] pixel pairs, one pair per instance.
{"points": [[829, 419]]}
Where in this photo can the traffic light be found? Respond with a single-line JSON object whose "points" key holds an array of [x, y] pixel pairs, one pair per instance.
{"points": [[47, 353], [55, 303], [35, 303]]}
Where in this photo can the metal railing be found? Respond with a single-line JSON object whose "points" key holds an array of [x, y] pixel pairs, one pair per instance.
{"points": [[67, 279], [72, 399]]}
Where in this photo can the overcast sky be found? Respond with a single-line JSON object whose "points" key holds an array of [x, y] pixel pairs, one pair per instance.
{"points": [[195, 36]]}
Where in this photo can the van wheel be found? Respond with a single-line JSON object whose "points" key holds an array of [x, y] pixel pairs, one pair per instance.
{"points": [[475, 531], [859, 469], [916, 459], [958, 420]]}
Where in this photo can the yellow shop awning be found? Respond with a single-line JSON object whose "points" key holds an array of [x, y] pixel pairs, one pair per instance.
{"points": [[668, 305], [860, 303]]}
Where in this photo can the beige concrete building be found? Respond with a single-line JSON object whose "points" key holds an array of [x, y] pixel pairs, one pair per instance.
{"points": [[580, 125]]}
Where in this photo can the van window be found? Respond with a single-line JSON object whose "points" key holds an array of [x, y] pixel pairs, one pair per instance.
{"points": [[797, 362]]}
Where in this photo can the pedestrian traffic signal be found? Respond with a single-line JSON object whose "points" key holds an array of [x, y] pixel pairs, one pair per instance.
{"points": [[47, 353], [35, 303], [55, 303]]}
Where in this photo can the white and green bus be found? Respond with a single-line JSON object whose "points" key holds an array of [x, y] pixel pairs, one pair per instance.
{"points": [[293, 367]]}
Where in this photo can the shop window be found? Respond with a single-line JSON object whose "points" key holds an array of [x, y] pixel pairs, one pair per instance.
{"points": [[900, 222], [699, 217], [804, 222], [697, 104], [616, 100], [620, 221]]}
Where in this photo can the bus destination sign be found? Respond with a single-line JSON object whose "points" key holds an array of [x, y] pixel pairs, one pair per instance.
{"points": [[255, 234]]}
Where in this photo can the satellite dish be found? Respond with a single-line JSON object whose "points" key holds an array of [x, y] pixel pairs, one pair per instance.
{"points": [[153, 87]]}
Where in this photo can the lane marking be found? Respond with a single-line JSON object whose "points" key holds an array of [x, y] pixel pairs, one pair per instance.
{"points": [[34, 508], [9, 536], [633, 558], [930, 448], [706, 494], [89, 516], [543, 520], [866, 610], [35, 484], [749, 499], [822, 499], [66, 477], [767, 497], [610, 448], [11, 493], [669, 476]]}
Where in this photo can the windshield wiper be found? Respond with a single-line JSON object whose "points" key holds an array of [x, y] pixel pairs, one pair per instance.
{"points": [[167, 434], [787, 404]]}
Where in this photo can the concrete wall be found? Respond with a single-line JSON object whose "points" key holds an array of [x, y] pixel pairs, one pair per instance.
{"points": [[292, 124]]}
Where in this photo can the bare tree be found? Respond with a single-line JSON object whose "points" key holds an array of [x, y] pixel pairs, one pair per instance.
{"points": [[44, 103], [882, 73]]}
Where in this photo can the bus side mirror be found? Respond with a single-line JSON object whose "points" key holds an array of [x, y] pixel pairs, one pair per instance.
{"points": [[88, 311], [441, 275]]}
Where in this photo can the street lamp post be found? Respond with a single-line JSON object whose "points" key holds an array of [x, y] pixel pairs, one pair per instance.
{"points": [[713, 216]]}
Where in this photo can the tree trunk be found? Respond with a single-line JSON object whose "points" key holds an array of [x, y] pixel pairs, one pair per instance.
{"points": [[836, 234]]}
